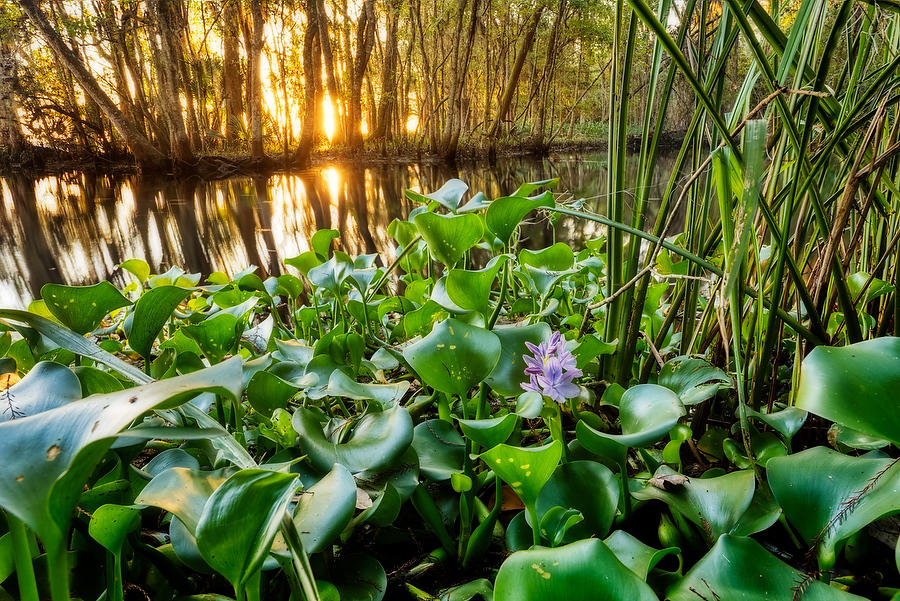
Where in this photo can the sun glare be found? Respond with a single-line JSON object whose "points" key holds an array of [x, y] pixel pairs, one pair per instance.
{"points": [[412, 123], [328, 117]]}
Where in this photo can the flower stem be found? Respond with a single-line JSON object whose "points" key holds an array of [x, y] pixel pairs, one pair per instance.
{"points": [[22, 554]]}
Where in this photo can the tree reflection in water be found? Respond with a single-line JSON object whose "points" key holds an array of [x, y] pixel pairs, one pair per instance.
{"points": [[77, 228]]}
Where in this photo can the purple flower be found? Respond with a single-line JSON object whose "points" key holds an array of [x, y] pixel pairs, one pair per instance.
{"points": [[551, 369]]}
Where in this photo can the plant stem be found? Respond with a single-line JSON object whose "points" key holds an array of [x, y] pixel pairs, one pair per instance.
{"points": [[22, 555], [58, 569]]}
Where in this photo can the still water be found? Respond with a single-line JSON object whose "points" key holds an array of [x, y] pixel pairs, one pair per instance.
{"points": [[77, 228]]}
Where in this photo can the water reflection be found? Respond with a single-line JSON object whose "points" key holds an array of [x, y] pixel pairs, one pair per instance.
{"points": [[77, 228]]}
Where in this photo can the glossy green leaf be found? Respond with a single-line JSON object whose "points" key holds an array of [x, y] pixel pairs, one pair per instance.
{"points": [[82, 308], [582, 571], [491, 431], [447, 196], [693, 380], [829, 496], [454, 357], [377, 441], [138, 268], [342, 385], [505, 214], [216, 336], [240, 521], [266, 392], [646, 413], [151, 312], [170, 458], [471, 289], [526, 470], [449, 237], [110, 525], [761, 576], [49, 456], [714, 505], [635, 555], [331, 274], [440, 449], [96, 381], [509, 374], [786, 421], [182, 492], [47, 386], [855, 385], [325, 508], [588, 487], [322, 242]]}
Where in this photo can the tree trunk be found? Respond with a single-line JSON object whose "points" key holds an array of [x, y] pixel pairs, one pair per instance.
{"points": [[388, 102], [334, 90], [365, 40], [231, 72], [167, 21], [312, 71], [11, 136], [144, 152], [460, 72], [547, 77], [255, 75], [513, 81]]}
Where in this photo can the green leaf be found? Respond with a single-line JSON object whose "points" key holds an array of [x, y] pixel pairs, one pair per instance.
{"points": [[454, 357], [693, 380], [321, 242], [588, 487], [96, 381], [325, 509], [448, 196], [740, 569], [646, 413], [47, 386], [583, 571], [529, 404], [714, 505], [786, 422], [267, 392], [387, 395], [491, 431], [151, 312], [637, 557], [360, 578], [377, 441], [183, 492], [829, 496], [471, 289], [138, 268], [49, 456], [526, 470], [509, 373], [216, 336], [241, 519], [449, 237], [331, 274], [440, 448], [82, 308], [505, 214], [866, 373], [110, 525]]}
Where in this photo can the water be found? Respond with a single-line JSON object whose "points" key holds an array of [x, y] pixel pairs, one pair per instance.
{"points": [[77, 228]]}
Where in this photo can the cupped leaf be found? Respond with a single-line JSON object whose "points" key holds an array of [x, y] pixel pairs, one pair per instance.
{"points": [[216, 336], [110, 525], [47, 386], [322, 242], [714, 505], [471, 289], [449, 237], [491, 431], [82, 308], [377, 441], [854, 385], [360, 578], [454, 357], [267, 392], [342, 385], [170, 458], [509, 374], [741, 569], [526, 470], [635, 555], [331, 274], [786, 422], [829, 496], [240, 521], [588, 487], [183, 492], [646, 413], [138, 268], [151, 312], [440, 448], [47, 457], [505, 214], [693, 380], [325, 508], [448, 196], [582, 571]]}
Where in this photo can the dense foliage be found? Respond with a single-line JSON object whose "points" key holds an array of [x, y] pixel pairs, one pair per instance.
{"points": [[449, 418]]}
